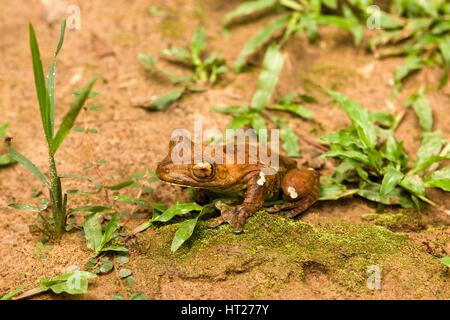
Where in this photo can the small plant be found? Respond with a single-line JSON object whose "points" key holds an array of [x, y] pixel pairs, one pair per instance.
{"points": [[102, 241], [256, 114], [75, 282], [374, 165], [185, 228], [54, 225], [205, 69], [418, 30], [294, 16], [5, 159]]}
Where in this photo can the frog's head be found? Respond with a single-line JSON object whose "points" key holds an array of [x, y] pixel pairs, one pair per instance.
{"points": [[182, 167]]}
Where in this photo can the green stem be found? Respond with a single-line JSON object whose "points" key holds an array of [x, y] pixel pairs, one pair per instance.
{"points": [[58, 211]]}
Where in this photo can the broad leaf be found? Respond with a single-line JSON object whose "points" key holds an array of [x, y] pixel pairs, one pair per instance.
{"points": [[177, 209], [268, 78], [439, 179], [359, 117], [163, 102], [391, 179], [423, 110]]}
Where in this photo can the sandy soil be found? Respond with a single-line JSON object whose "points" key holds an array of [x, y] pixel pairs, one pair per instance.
{"points": [[113, 32]]}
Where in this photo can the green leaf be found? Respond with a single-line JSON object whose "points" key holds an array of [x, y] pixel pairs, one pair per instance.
{"points": [[289, 141], [106, 266], [240, 121], [230, 109], [111, 228], [179, 53], [70, 117], [93, 230], [439, 179], [11, 294], [122, 260], [27, 164], [198, 44], [296, 109], [24, 207], [92, 209], [258, 41], [123, 273], [6, 160], [430, 148], [257, 122], [72, 282], [268, 78], [350, 154], [335, 192], [134, 201], [3, 129], [177, 209], [445, 261], [410, 65], [51, 80], [413, 184], [184, 232], [163, 102], [372, 192], [391, 179], [41, 90], [247, 8], [419, 102], [360, 119], [119, 186]]}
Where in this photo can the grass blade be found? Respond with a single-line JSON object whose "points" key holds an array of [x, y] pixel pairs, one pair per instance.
{"points": [[41, 90], [248, 8], [259, 40], [26, 163], [51, 79], [268, 78], [71, 116]]}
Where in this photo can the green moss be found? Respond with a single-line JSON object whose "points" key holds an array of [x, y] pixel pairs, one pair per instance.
{"points": [[396, 221], [287, 250]]}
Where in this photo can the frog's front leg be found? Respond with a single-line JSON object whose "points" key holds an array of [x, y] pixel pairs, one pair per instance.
{"points": [[236, 216]]}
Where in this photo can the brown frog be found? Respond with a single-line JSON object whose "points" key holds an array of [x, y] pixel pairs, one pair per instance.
{"points": [[300, 188]]}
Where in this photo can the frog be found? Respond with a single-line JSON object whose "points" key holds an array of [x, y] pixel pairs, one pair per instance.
{"points": [[256, 181]]}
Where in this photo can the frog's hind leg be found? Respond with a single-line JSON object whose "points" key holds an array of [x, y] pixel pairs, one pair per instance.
{"points": [[293, 209], [301, 184]]}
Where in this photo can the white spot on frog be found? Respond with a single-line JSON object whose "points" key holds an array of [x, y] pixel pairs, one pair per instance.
{"points": [[262, 179], [292, 193]]}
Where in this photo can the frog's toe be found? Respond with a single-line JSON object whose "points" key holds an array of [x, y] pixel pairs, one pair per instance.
{"points": [[217, 222]]}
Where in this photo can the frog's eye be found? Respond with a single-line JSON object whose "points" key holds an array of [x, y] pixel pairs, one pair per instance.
{"points": [[202, 170]]}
